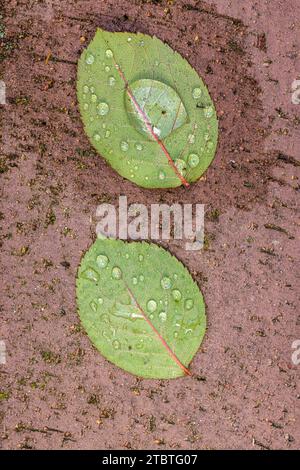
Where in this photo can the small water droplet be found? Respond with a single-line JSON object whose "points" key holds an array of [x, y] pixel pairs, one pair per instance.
{"points": [[141, 257], [100, 300], [91, 275], [103, 108], [162, 316], [156, 63], [189, 303], [102, 261], [92, 89], [161, 175], [138, 146], [197, 93], [141, 278], [94, 98], [97, 137], [134, 280], [206, 136], [85, 106], [107, 68], [109, 53], [151, 316], [111, 81], [142, 43], [90, 59], [166, 282], [107, 134], [181, 166], [116, 344], [116, 273], [151, 306], [208, 111], [156, 131], [140, 344], [210, 144], [175, 334], [191, 138], [124, 146], [129, 39], [176, 295], [193, 160], [85, 89], [127, 255]]}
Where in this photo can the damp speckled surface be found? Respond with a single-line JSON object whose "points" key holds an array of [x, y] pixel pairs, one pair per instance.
{"points": [[245, 389]]}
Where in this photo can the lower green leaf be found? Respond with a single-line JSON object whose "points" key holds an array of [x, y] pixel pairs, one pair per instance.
{"points": [[140, 307]]}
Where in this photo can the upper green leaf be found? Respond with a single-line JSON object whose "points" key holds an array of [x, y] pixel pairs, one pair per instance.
{"points": [[146, 110], [140, 308]]}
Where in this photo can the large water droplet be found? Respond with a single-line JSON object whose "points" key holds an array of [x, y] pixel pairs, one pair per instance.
{"points": [[197, 93], [134, 281], [189, 303], [90, 59], [103, 108], [100, 301], [193, 160], [109, 53], [97, 137], [162, 316], [102, 261], [90, 274], [141, 278], [85, 89], [85, 106], [151, 306], [166, 282], [124, 146], [162, 105], [116, 273], [176, 295]]}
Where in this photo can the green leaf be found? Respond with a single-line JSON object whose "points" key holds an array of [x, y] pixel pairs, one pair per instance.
{"points": [[146, 110], [140, 308]]}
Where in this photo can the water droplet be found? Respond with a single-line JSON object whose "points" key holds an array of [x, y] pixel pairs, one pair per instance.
{"points": [[210, 144], [116, 344], [189, 303], [107, 134], [141, 257], [100, 300], [129, 39], [103, 108], [180, 165], [138, 146], [175, 334], [134, 280], [94, 98], [127, 255], [109, 53], [116, 273], [151, 306], [124, 146], [92, 89], [176, 295], [142, 43], [206, 136], [93, 305], [107, 68], [97, 137], [156, 131], [85, 89], [85, 106], [140, 344], [162, 316], [161, 175], [191, 138], [156, 63], [141, 278], [193, 160], [102, 261], [151, 316], [91, 275], [90, 59], [166, 282], [197, 93], [111, 81], [208, 111]]}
